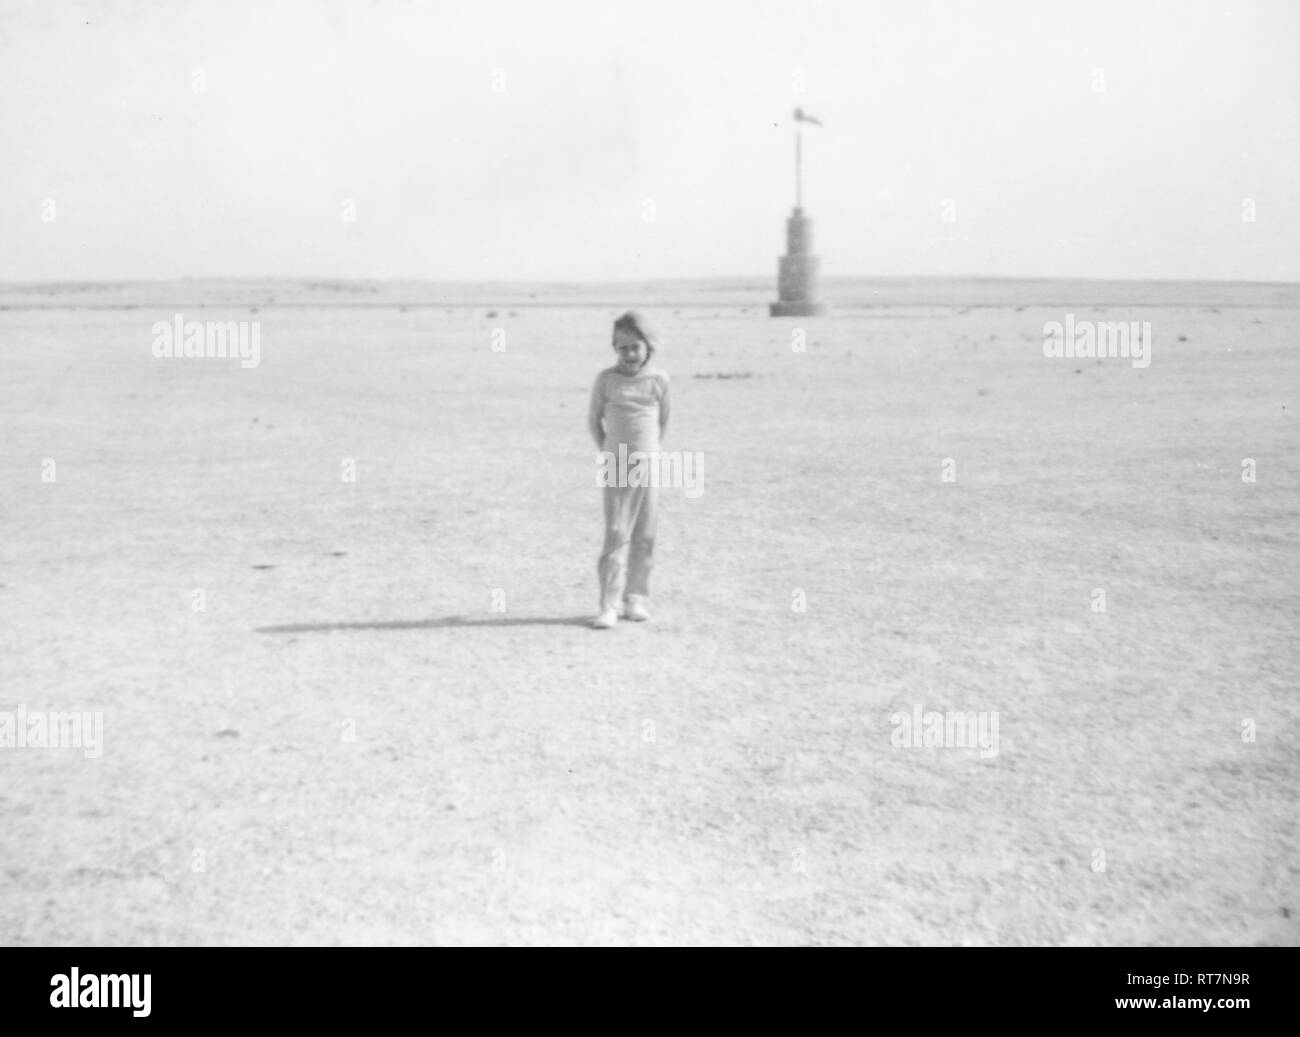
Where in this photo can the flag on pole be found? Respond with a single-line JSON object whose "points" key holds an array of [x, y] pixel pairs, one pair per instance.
{"points": [[801, 116]]}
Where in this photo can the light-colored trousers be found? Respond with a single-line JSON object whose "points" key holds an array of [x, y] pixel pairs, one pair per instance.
{"points": [[631, 515]]}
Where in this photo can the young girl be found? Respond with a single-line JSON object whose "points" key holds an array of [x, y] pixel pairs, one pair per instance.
{"points": [[629, 406]]}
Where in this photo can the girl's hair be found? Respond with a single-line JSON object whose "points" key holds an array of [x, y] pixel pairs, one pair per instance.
{"points": [[637, 324]]}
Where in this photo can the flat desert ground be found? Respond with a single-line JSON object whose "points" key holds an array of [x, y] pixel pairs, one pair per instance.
{"points": [[369, 711]]}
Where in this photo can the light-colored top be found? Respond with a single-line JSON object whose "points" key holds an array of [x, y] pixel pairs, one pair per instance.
{"points": [[631, 409]]}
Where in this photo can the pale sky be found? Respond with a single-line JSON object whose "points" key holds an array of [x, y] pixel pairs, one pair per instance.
{"points": [[603, 140]]}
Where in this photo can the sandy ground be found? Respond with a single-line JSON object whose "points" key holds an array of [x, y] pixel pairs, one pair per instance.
{"points": [[347, 744]]}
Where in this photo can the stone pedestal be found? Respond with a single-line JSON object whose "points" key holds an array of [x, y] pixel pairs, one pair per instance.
{"points": [[798, 272]]}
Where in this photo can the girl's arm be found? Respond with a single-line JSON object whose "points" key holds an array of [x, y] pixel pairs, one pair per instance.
{"points": [[663, 409], [596, 414]]}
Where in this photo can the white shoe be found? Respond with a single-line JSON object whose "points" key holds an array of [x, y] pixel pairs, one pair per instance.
{"points": [[633, 609], [606, 620]]}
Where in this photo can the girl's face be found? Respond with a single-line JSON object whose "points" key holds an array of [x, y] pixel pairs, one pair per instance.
{"points": [[630, 349]]}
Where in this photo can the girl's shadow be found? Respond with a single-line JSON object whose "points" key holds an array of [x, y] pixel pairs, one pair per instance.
{"points": [[430, 624]]}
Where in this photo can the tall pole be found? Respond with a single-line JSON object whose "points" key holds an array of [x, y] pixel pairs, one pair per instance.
{"points": [[798, 270], [798, 169]]}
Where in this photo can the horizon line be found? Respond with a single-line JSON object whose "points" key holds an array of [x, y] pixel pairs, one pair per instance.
{"points": [[581, 282]]}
